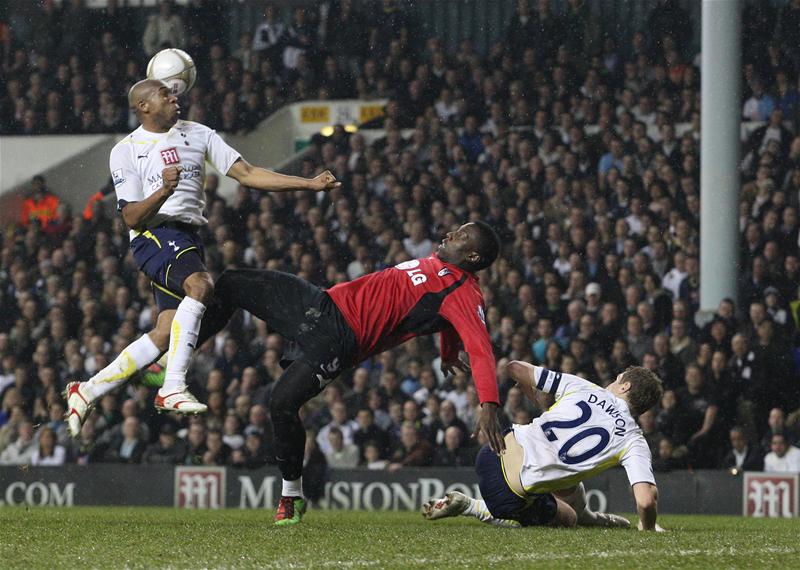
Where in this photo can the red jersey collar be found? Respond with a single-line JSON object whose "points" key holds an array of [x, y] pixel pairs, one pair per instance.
{"points": [[455, 267]]}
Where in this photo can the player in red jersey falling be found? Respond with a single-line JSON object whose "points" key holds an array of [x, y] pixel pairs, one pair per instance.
{"points": [[337, 329]]}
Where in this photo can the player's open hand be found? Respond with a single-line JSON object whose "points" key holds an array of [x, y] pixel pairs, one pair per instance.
{"points": [[449, 367], [487, 423], [324, 182], [170, 176]]}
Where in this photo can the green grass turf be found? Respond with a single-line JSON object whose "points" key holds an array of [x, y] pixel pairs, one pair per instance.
{"points": [[114, 537]]}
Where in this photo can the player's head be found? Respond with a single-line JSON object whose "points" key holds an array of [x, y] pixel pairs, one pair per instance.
{"points": [[154, 104], [638, 386], [473, 246]]}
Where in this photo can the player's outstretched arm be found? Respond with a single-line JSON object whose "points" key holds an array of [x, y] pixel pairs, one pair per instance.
{"points": [[524, 374], [646, 495], [270, 181]]}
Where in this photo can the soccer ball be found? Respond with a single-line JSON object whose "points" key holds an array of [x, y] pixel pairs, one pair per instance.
{"points": [[175, 67]]}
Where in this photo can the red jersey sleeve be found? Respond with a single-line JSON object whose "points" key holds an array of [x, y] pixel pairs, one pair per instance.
{"points": [[464, 310], [450, 344]]}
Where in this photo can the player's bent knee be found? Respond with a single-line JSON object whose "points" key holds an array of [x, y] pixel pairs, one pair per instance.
{"points": [[565, 516], [199, 286]]}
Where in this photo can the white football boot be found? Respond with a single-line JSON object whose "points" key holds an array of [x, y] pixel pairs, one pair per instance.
{"points": [[79, 405], [610, 520], [451, 505], [181, 401]]}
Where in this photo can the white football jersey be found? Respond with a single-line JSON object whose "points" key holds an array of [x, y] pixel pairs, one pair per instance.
{"points": [[586, 431], [137, 161]]}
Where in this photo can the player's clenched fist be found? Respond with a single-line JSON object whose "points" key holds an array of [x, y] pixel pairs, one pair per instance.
{"points": [[324, 181], [170, 177]]}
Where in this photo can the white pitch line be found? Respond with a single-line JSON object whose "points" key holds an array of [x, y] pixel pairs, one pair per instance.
{"points": [[533, 556]]}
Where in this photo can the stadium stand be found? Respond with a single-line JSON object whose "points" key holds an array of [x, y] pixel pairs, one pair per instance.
{"points": [[583, 155]]}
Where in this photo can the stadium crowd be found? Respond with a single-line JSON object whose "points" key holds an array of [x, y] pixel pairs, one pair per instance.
{"points": [[583, 155]]}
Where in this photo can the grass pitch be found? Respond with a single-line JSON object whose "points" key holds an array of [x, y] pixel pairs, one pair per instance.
{"points": [[108, 537]]}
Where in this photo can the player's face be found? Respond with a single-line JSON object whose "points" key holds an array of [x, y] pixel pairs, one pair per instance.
{"points": [[164, 106], [457, 245]]}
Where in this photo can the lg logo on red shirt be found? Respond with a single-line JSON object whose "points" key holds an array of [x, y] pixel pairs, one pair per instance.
{"points": [[413, 271]]}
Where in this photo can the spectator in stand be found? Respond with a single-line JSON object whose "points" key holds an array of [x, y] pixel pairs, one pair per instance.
{"points": [[418, 245], [41, 204], [412, 450], [168, 449], [340, 421], [776, 423], [254, 454], [22, 450], [16, 415], [217, 451], [454, 453], [195, 442], [268, 37], [783, 458], [701, 419], [669, 457], [164, 30], [742, 456], [341, 455], [447, 418], [48, 452], [368, 433], [373, 459], [127, 446]]}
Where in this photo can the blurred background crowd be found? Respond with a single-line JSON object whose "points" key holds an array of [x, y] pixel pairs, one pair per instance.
{"points": [[581, 150]]}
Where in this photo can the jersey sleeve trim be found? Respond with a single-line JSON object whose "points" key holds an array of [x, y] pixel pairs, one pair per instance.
{"points": [[548, 383], [651, 481]]}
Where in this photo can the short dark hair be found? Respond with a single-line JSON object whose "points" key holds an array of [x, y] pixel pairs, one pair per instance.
{"points": [[646, 388], [487, 244], [780, 434]]}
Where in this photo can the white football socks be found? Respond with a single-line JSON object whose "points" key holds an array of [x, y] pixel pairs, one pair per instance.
{"points": [[134, 357], [292, 488], [182, 340]]}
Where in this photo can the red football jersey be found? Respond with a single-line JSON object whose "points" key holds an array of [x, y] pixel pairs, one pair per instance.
{"points": [[419, 297]]}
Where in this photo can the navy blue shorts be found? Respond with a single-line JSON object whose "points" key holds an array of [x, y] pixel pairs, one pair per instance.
{"points": [[502, 502], [168, 255]]}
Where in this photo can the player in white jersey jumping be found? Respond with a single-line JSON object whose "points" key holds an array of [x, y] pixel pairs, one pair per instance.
{"points": [[158, 173], [538, 480]]}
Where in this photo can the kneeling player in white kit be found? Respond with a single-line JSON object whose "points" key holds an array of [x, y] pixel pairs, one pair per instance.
{"points": [[538, 480]]}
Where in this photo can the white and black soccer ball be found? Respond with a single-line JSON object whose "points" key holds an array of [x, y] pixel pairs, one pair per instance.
{"points": [[175, 67]]}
